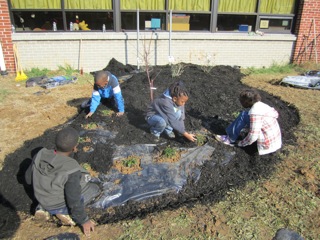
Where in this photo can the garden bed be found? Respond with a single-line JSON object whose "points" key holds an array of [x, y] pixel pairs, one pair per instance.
{"points": [[211, 107]]}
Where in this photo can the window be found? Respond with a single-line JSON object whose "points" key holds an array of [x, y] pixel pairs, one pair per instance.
{"points": [[238, 23], [190, 15], [272, 16], [95, 13], [149, 11], [275, 24], [29, 15], [251, 15]]}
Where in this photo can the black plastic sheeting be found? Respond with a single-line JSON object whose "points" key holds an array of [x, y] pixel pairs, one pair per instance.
{"points": [[155, 178]]}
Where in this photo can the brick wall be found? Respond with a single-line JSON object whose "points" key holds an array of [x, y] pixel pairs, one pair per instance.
{"points": [[5, 36], [49, 50], [308, 26]]}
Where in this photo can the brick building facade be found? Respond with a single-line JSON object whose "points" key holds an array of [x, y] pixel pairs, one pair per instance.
{"points": [[5, 37], [307, 46], [53, 49]]}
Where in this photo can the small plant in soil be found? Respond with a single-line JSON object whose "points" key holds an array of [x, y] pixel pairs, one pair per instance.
{"points": [[107, 112], [90, 126], [235, 114], [201, 139], [130, 161], [88, 167], [128, 165], [169, 154], [177, 69], [84, 139]]}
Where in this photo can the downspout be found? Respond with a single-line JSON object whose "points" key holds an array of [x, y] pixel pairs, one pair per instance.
{"points": [[2, 63], [138, 28]]}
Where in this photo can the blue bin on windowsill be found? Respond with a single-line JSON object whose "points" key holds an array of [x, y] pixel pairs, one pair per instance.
{"points": [[155, 23], [243, 28]]}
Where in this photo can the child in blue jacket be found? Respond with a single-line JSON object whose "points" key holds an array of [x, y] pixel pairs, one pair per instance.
{"points": [[106, 85], [167, 113]]}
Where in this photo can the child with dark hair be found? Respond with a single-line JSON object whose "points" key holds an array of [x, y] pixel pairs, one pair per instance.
{"points": [[60, 184], [106, 85], [261, 120], [167, 113]]}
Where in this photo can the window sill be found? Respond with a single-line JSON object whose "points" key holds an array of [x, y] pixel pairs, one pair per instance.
{"points": [[52, 36]]}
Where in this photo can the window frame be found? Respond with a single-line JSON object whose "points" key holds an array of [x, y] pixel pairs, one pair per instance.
{"points": [[213, 15]]}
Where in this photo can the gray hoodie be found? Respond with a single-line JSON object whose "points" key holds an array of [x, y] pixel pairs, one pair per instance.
{"points": [[49, 175], [167, 109]]}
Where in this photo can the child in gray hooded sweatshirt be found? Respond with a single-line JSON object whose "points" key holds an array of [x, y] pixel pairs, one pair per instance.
{"points": [[167, 113]]}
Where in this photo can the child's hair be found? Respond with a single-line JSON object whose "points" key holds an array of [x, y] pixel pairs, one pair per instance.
{"points": [[67, 139], [178, 89], [100, 75], [249, 97]]}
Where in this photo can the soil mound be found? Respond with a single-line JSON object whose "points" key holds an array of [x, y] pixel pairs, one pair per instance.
{"points": [[212, 105]]}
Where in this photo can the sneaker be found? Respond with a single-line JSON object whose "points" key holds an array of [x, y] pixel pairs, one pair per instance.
{"points": [[224, 139], [86, 103], [41, 214], [171, 135], [156, 138], [66, 220]]}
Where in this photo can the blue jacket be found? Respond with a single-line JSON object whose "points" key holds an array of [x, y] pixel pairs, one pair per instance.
{"points": [[165, 107], [112, 89]]}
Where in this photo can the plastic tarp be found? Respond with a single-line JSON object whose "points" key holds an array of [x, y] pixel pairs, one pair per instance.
{"points": [[311, 82], [52, 82], [155, 178]]}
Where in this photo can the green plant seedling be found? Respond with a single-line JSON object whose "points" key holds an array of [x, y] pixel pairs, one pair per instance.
{"points": [[106, 112], [84, 139], [130, 161], [90, 126], [201, 139], [169, 152], [235, 114]]}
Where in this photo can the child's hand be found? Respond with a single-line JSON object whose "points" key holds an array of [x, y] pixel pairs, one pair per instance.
{"points": [[89, 114], [87, 227], [119, 114], [191, 137]]}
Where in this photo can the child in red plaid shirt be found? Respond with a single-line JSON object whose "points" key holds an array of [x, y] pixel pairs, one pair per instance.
{"points": [[261, 120]]}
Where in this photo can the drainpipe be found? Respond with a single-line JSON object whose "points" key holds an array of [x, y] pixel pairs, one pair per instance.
{"points": [[138, 23], [2, 63], [170, 30]]}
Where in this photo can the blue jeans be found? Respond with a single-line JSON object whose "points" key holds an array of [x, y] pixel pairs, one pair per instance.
{"points": [[158, 125], [91, 191], [234, 129]]}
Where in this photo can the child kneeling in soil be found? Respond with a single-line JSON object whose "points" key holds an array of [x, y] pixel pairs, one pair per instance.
{"points": [[106, 85], [167, 113], [260, 121], [60, 184]]}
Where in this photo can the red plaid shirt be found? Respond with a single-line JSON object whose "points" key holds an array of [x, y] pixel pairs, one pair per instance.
{"points": [[264, 129]]}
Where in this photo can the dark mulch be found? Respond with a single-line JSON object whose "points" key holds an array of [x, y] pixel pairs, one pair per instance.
{"points": [[212, 104]]}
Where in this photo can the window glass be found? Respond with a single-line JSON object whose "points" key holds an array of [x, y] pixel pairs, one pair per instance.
{"points": [[37, 21], [228, 22], [95, 20], [237, 6], [275, 24], [39, 4], [200, 22], [129, 21], [142, 4], [189, 5], [277, 6], [85, 4]]}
